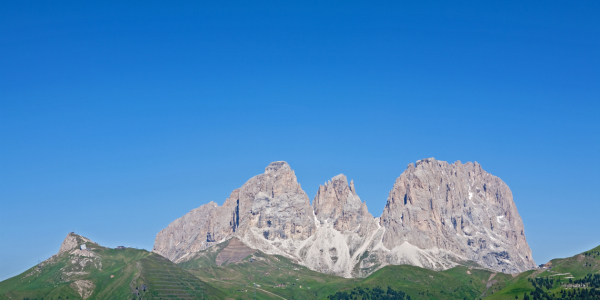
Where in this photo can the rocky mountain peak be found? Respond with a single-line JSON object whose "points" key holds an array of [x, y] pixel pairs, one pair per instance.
{"points": [[273, 205], [426, 161], [437, 215], [268, 206], [458, 208], [277, 166], [344, 232], [72, 241], [337, 202]]}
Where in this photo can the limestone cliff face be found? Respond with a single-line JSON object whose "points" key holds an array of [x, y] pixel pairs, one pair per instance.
{"points": [[188, 234], [437, 216], [456, 210], [268, 207], [344, 233], [73, 241], [337, 202], [275, 205]]}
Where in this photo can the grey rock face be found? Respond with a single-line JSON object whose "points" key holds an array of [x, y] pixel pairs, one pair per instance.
{"points": [[437, 215], [271, 205], [72, 241], [345, 230], [188, 234], [458, 211], [275, 204], [338, 203]]}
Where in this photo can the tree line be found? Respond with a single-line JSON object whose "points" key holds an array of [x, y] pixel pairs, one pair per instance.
{"points": [[376, 293]]}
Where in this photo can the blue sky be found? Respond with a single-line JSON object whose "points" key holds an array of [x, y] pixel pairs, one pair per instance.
{"points": [[117, 118]]}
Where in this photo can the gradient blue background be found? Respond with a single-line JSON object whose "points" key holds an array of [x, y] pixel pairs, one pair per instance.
{"points": [[116, 119]]}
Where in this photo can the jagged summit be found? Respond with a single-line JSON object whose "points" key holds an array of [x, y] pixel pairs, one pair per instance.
{"points": [[437, 215], [337, 202], [98, 272], [340, 176], [276, 166], [268, 207], [73, 241], [345, 231]]}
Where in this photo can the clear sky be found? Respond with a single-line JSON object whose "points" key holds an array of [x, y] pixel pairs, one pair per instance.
{"points": [[117, 118]]}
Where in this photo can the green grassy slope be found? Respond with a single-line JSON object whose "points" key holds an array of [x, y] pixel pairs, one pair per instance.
{"points": [[281, 277], [205, 258], [457, 283], [106, 274], [276, 275], [560, 274], [578, 265], [462, 282], [139, 274]]}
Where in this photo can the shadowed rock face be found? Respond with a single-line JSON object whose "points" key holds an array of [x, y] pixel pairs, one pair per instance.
{"points": [[437, 215], [459, 209]]}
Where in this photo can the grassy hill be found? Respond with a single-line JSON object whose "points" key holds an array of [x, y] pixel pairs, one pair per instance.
{"points": [[103, 273], [557, 278], [230, 271], [457, 283], [578, 265], [274, 277]]}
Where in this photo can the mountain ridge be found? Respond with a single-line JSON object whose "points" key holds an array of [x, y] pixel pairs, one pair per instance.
{"points": [[236, 271], [338, 235], [83, 269]]}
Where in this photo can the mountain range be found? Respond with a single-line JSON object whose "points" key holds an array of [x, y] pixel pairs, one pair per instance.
{"points": [[438, 215], [83, 269], [448, 231]]}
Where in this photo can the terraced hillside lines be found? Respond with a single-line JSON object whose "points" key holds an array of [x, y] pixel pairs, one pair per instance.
{"points": [[205, 258], [168, 285], [100, 273], [234, 252], [276, 277], [167, 281]]}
